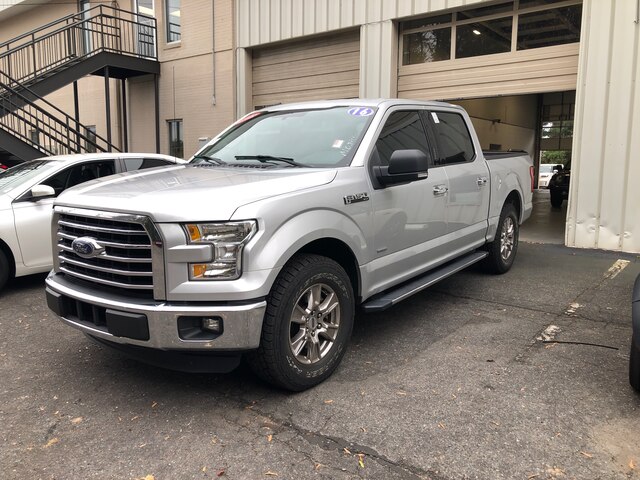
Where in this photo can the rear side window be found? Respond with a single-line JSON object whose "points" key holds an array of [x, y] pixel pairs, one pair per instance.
{"points": [[142, 163], [402, 131], [452, 138]]}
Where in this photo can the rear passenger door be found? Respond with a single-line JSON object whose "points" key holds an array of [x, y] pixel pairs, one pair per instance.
{"points": [[467, 206]]}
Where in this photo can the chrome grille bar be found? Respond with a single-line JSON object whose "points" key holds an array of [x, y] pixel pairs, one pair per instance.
{"points": [[113, 258], [96, 228], [103, 281], [108, 244], [133, 273]]}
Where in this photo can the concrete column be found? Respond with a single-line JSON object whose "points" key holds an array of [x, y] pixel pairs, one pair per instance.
{"points": [[378, 60]]}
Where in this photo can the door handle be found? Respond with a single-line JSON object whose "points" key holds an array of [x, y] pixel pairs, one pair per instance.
{"points": [[481, 181], [439, 190]]}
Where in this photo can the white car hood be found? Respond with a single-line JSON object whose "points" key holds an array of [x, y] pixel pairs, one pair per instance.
{"points": [[191, 193], [5, 202]]}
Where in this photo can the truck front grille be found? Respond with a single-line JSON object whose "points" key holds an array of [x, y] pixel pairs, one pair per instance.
{"points": [[126, 263]]}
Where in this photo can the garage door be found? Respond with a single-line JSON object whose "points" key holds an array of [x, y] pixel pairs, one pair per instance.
{"points": [[317, 69], [549, 69]]}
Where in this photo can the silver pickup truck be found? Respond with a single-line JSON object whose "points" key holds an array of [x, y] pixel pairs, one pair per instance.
{"points": [[277, 230]]}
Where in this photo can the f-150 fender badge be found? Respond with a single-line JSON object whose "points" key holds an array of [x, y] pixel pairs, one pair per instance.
{"points": [[356, 197]]}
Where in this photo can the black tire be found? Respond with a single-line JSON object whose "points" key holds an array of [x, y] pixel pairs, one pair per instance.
{"points": [[275, 360], [5, 269], [495, 262], [634, 366], [556, 199]]}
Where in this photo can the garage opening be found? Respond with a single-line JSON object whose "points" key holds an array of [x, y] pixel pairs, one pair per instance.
{"points": [[513, 65], [542, 125]]}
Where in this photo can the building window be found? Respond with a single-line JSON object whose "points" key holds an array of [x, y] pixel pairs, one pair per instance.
{"points": [[172, 18], [549, 27], [492, 29], [176, 143], [90, 145]]}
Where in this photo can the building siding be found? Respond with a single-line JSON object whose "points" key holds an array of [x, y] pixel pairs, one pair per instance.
{"points": [[603, 204]]}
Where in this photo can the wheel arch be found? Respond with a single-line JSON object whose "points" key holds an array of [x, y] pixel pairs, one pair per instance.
{"points": [[339, 252], [4, 248], [515, 199]]}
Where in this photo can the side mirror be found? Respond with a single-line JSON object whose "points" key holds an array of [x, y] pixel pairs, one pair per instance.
{"points": [[405, 166], [42, 191]]}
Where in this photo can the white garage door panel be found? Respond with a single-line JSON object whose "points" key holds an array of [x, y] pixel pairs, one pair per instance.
{"points": [[533, 71], [316, 69]]}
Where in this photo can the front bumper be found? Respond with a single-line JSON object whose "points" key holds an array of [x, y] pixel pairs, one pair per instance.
{"points": [[154, 324]]}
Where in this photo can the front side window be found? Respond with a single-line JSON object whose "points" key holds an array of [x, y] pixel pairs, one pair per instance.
{"points": [[72, 176], [452, 138], [322, 138], [176, 142], [172, 19], [402, 131]]}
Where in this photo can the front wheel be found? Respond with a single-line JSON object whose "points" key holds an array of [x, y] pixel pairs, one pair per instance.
{"points": [[502, 251], [634, 366], [307, 324], [4, 269]]}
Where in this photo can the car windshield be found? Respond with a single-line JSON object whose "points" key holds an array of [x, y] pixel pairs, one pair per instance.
{"points": [[546, 168], [24, 172], [321, 138]]}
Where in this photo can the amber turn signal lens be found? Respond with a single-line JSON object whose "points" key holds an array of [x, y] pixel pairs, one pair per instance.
{"points": [[198, 270], [194, 233]]}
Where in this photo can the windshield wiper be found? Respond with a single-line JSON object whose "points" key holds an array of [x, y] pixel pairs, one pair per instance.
{"points": [[214, 160], [270, 158]]}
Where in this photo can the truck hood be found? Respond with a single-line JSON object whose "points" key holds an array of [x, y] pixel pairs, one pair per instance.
{"points": [[192, 193]]}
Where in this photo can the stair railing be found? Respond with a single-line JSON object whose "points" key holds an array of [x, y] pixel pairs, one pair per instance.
{"points": [[75, 37]]}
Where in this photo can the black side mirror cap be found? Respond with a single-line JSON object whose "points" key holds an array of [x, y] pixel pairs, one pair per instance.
{"points": [[405, 166]]}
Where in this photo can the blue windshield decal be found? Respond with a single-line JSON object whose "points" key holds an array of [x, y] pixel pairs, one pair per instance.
{"points": [[360, 111]]}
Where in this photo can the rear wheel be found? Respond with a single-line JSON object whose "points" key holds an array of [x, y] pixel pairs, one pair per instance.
{"points": [[5, 271], [502, 251], [634, 366], [556, 198], [307, 325]]}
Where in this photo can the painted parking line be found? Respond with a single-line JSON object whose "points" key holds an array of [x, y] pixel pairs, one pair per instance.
{"points": [[616, 268]]}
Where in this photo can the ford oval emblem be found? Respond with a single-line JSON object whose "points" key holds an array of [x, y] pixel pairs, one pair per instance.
{"points": [[87, 247]]}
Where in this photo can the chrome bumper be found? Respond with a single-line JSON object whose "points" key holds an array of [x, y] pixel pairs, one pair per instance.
{"points": [[242, 323]]}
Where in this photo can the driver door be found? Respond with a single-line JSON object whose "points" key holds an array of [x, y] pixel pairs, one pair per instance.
{"points": [[409, 219]]}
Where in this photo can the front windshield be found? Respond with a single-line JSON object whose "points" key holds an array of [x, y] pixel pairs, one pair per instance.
{"points": [[546, 168], [311, 138], [24, 172]]}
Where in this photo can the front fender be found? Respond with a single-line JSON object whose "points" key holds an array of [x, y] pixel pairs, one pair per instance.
{"points": [[284, 240]]}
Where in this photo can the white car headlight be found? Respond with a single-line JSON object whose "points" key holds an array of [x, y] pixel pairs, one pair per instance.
{"points": [[228, 240]]}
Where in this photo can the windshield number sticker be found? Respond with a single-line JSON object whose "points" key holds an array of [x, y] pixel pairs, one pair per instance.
{"points": [[434, 115], [360, 111]]}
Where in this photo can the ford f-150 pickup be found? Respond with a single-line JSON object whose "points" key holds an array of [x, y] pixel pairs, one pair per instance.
{"points": [[267, 242]]}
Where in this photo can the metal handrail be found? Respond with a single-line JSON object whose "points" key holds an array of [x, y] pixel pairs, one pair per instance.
{"points": [[60, 20], [77, 38], [33, 97], [22, 119]]}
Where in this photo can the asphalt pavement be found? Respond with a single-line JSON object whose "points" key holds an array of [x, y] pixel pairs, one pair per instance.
{"points": [[519, 376]]}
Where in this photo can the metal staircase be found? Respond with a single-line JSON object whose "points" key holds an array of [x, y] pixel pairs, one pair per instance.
{"points": [[104, 41]]}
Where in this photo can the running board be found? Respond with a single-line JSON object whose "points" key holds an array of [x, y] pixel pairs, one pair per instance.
{"points": [[387, 299]]}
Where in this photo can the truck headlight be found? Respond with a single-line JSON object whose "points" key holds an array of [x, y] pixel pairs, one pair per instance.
{"points": [[228, 240]]}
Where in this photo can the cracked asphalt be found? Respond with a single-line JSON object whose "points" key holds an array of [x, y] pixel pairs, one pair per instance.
{"points": [[463, 381]]}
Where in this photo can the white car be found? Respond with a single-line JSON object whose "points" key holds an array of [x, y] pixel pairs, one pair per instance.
{"points": [[27, 192], [546, 172]]}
